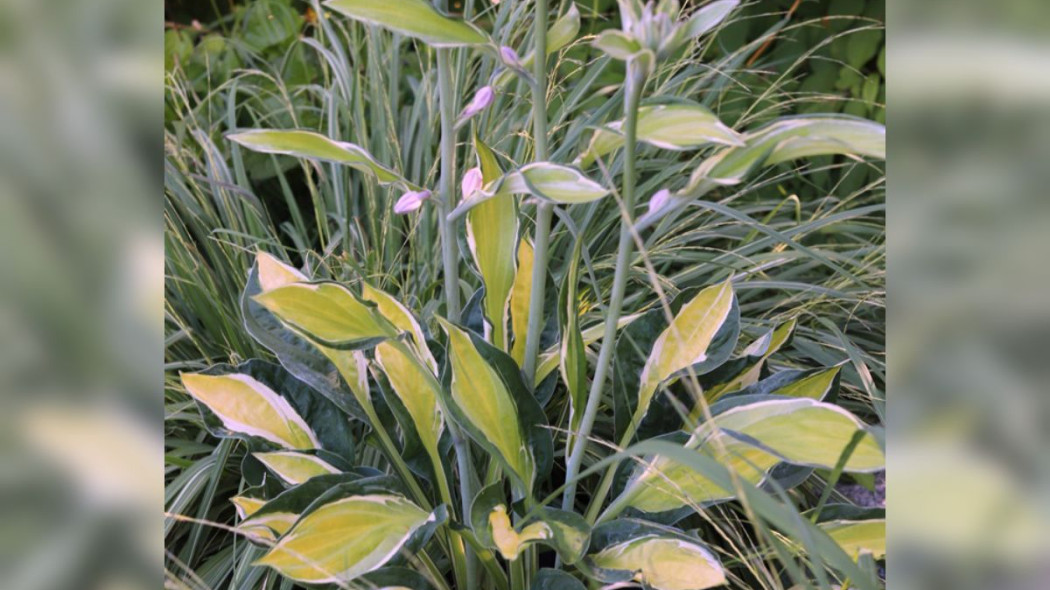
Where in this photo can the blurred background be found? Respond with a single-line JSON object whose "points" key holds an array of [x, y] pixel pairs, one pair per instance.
{"points": [[82, 261]]}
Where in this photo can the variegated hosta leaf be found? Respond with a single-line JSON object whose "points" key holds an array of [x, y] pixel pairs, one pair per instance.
{"points": [[748, 368], [789, 139], [273, 273], [492, 234], [266, 528], [814, 386], [573, 349], [751, 439], [663, 563], [397, 314], [247, 406], [509, 541], [417, 391], [856, 537], [328, 313], [552, 182], [483, 398], [414, 18], [308, 144], [520, 299], [295, 468], [246, 505], [670, 127], [616, 44], [346, 538], [685, 341]]}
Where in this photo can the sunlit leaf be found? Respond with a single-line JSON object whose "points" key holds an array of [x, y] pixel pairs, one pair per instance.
{"points": [[417, 391], [295, 468], [246, 505], [329, 314], [520, 298], [308, 144], [492, 235], [484, 400], [248, 406], [403, 319], [670, 127], [686, 340], [344, 539], [273, 273], [414, 18]]}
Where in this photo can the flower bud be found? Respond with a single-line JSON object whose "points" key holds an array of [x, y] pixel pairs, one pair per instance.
{"points": [[510, 57], [472, 182], [411, 201], [481, 101], [658, 200]]}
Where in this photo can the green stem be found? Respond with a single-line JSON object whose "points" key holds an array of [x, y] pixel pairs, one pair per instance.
{"points": [[449, 243], [517, 574], [544, 211], [396, 461], [635, 83], [607, 480]]}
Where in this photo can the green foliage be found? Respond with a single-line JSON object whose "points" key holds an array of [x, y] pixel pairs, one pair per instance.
{"points": [[750, 339]]}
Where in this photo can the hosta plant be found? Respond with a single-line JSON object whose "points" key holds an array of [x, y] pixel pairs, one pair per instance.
{"points": [[482, 406]]}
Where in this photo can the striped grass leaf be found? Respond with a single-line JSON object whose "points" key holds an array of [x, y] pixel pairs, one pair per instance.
{"points": [[413, 18]]}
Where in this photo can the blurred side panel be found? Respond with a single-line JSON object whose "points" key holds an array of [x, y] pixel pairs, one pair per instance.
{"points": [[81, 294], [969, 321]]}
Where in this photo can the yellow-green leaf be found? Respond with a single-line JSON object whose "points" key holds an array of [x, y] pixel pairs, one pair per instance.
{"points": [[789, 139], [814, 387], [492, 234], [550, 358], [247, 406], [479, 392], [520, 297], [246, 505], [346, 538], [664, 563], [267, 528], [400, 316], [416, 390], [327, 313], [856, 537], [685, 341], [414, 18], [273, 273], [509, 541], [295, 468], [669, 127], [799, 431], [308, 144]]}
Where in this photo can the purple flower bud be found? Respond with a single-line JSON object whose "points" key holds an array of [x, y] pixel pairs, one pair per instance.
{"points": [[472, 182], [482, 99], [509, 56], [411, 201], [658, 200]]}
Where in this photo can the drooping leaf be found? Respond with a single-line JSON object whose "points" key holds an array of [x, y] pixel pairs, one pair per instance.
{"points": [[347, 538], [295, 468], [659, 558], [414, 18], [487, 406], [788, 139], [567, 532], [520, 299], [328, 313], [248, 406], [273, 273], [492, 234], [751, 439], [308, 144], [669, 127], [686, 340]]}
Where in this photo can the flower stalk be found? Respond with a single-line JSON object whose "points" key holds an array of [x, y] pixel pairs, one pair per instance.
{"points": [[637, 75], [544, 211]]}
